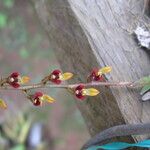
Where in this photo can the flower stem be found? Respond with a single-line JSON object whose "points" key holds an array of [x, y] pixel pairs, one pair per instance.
{"points": [[40, 85]]}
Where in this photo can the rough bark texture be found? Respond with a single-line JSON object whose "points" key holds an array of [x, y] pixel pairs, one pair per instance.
{"points": [[90, 33]]}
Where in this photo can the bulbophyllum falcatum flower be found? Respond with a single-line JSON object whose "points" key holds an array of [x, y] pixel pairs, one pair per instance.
{"points": [[15, 80], [81, 92], [97, 74], [57, 77], [38, 98]]}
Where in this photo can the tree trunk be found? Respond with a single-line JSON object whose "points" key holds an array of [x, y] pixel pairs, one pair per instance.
{"points": [[92, 33]]}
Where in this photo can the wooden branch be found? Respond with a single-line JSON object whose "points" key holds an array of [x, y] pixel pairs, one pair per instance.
{"points": [[40, 85]]}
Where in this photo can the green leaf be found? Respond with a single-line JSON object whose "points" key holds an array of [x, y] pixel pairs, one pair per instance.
{"points": [[24, 53], [24, 131], [145, 80], [142, 82], [145, 89], [18, 147], [8, 3], [3, 20]]}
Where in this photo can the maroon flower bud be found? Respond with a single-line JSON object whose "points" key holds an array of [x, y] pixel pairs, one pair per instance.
{"points": [[79, 92], [36, 99], [55, 76], [95, 76], [13, 80]]}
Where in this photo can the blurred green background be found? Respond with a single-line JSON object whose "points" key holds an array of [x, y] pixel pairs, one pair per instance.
{"points": [[24, 47]]}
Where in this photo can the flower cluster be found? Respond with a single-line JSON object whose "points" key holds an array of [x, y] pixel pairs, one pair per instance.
{"points": [[14, 80], [97, 75], [56, 77]]}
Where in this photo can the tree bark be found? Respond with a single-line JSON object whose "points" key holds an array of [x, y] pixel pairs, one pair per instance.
{"points": [[92, 33]]}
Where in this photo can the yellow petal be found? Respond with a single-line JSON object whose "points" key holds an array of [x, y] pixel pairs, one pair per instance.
{"points": [[48, 99], [90, 92], [66, 76], [105, 70], [25, 79], [2, 104]]}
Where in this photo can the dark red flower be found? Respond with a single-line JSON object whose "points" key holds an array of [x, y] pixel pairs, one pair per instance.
{"points": [[14, 75], [37, 102], [79, 92], [36, 98], [95, 76], [55, 77], [13, 80]]}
